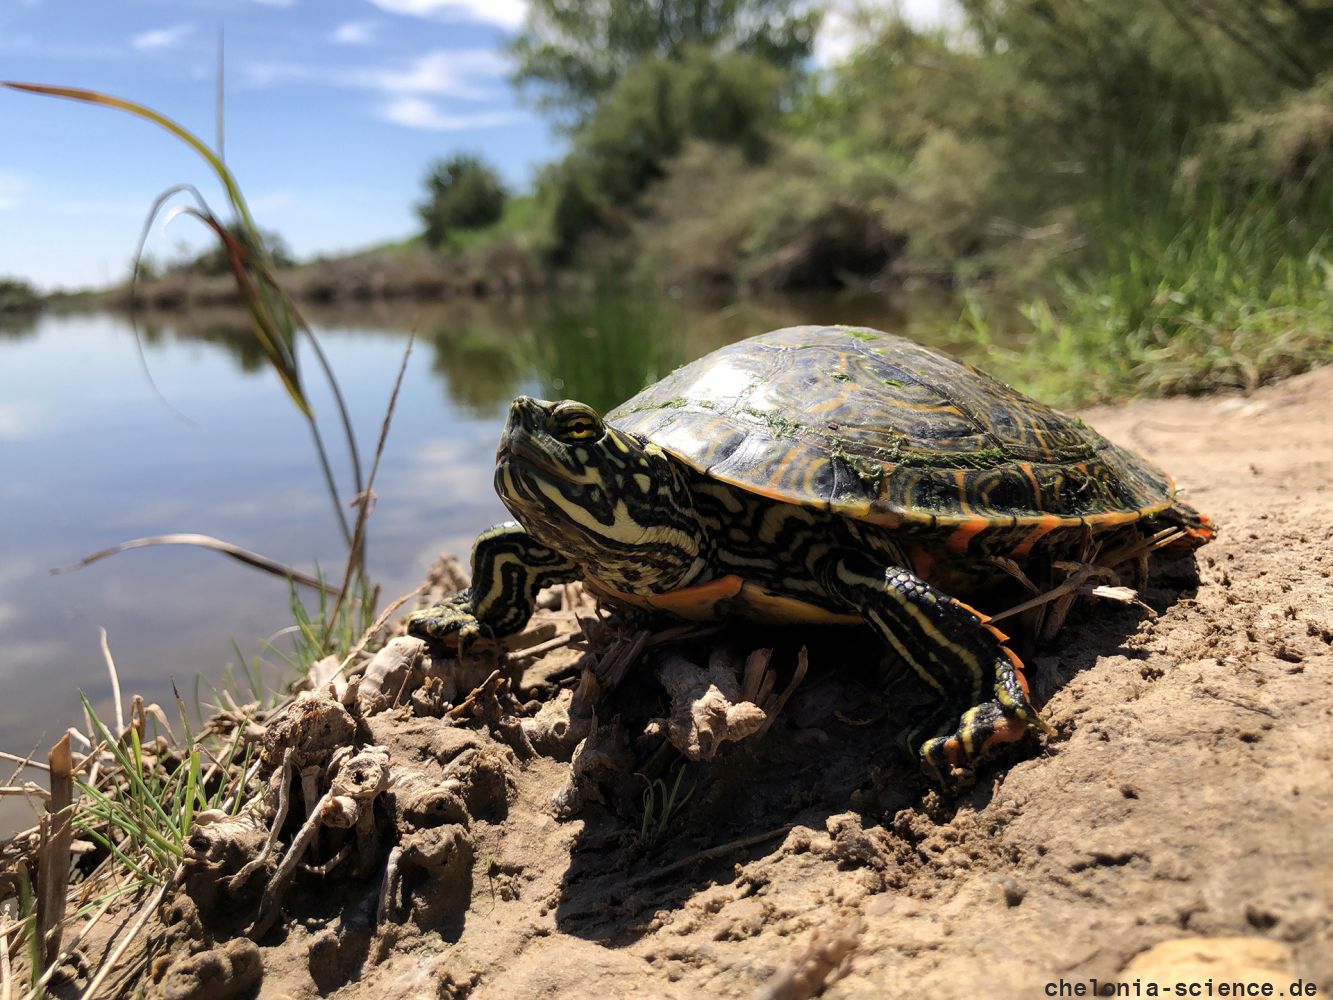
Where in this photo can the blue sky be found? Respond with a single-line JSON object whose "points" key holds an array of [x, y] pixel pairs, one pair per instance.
{"points": [[334, 109]]}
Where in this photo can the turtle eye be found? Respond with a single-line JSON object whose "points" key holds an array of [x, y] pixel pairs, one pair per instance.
{"points": [[574, 422]]}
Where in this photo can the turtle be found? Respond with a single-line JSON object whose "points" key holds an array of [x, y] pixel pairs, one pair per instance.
{"points": [[825, 474]]}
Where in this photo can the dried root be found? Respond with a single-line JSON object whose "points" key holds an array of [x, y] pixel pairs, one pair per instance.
{"points": [[713, 706]]}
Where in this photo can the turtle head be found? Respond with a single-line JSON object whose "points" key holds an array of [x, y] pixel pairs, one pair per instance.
{"points": [[618, 507]]}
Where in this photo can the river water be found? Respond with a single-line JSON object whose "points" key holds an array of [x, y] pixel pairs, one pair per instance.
{"points": [[107, 436]]}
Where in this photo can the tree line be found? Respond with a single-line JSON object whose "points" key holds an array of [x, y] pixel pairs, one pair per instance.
{"points": [[706, 145]]}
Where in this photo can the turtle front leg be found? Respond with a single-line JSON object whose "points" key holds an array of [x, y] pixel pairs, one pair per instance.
{"points": [[509, 568], [983, 696]]}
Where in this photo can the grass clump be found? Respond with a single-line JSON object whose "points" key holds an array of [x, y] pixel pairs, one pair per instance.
{"points": [[137, 797], [1202, 294], [661, 805]]}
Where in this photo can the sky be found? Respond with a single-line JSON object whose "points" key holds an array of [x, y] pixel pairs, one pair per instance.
{"points": [[334, 111]]}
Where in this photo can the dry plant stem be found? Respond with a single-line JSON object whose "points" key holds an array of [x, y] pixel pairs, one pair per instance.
{"points": [[277, 886], [28, 789], [310, 777], [772, 711], [6, 973], [491, 683], [529, 637], [279, 818], [207, 542], [115, 682], [1016, 571], [388, 887], [22, 761], [493, 680], [53, 860], [375, 626], [126, 939], [712, 854], [332, 863], [348, 802], [612, 667], [541, 649], [365, 500]]}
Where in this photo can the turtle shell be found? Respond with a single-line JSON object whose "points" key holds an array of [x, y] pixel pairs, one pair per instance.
{"points": [[878, 428]]}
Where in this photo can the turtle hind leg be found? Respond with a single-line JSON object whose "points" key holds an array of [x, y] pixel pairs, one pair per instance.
{"points": [[983, 727], [982, 697]]}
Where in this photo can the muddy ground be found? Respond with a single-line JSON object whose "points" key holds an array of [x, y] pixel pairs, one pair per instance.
{"points": [[1188, 794]]}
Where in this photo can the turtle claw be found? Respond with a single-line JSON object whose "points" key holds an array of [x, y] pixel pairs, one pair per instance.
{"points": [[451, 625]]}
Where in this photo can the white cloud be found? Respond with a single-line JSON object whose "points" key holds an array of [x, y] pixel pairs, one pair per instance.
{"points": [[460, 74], [162, 38], [505, 13], [12, 188], [443, 73], [355, 32], [417, 112]]}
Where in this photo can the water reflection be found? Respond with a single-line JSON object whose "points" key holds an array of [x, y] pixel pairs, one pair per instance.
{"points": [[93, 456], [18, 325], [480, 367], [603, 350]]}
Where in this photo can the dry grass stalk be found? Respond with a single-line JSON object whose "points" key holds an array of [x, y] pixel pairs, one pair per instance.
{"points": [[364, 501], [22, 762], [711, 854], [29, 790], [6, 972], [376, 625], [115, 682], [773, 708], [53, 857], [205, 542]]}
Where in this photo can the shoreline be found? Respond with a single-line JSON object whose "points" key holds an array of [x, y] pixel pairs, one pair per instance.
{"points": [[1187, 779]]}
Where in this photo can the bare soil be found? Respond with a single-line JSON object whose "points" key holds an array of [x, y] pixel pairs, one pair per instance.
{"points": [[1188, 794]]}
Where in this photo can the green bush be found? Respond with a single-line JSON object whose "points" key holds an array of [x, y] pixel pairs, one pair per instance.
{"points": [[462, 193], [658, 106], [17, 295], [215, 261], [576, 54]]}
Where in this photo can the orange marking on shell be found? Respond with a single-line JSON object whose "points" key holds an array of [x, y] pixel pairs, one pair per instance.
{"points": [[960, 481], [1026, 469], [963, 534], [1043, 527]]}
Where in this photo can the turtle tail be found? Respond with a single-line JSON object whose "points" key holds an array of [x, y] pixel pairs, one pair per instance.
{"points": [[1198, 528]]}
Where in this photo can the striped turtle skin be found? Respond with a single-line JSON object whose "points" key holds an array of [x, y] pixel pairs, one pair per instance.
{"points": [[815, 474]]}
